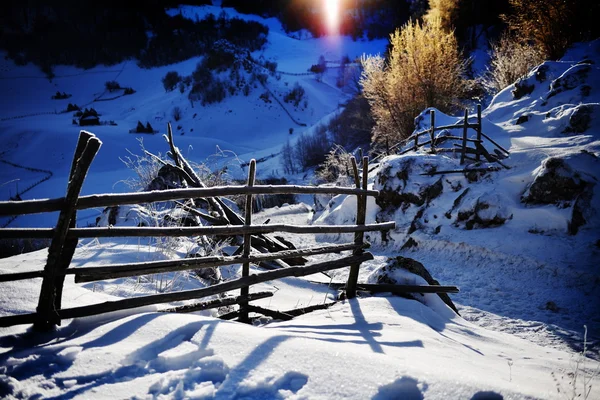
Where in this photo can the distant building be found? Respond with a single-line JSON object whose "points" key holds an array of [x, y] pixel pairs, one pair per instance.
{"points": [[89, 117]]}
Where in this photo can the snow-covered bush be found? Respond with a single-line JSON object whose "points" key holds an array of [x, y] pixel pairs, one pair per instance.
{"points": [[511, 59], [337, 167]]}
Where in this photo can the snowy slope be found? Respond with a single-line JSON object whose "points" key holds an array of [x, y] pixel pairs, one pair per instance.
{"points": [[520, 266], [32, 136]]}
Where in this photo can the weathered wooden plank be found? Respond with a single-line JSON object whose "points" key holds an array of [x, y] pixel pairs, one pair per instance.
{"points": [[90, 274], [227, 301], [478, 129], [464, 138], [304, 310], [69, 246], [440, 128], [19, 276], [444, 138], [432, 129], [244, 291], [47, 313], [382, 288], [361, 212], [228, 230], [495, 144], [134, 302], [230, 316], [269, 313], [115, 199], [397, 289], [460, 171]]}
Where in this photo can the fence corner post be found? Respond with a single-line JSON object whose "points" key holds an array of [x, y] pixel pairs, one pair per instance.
{"points": [[361, 213], [61, 249], [479, 129], [464, 137], [432, 129], [245, 291]]}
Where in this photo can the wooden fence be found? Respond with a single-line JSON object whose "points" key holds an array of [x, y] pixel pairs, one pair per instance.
{"points": [[65, 237], [477, 150]]}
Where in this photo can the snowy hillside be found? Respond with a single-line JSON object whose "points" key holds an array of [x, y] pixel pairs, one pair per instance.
{"points": [[33, 136], [521, 243]]}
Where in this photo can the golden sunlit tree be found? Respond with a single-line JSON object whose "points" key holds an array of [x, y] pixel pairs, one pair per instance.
{"points": [[424, 69], [553, 25], [446, 11]]}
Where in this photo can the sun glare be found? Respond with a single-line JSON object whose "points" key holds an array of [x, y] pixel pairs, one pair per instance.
{"points": [[332, 10]]}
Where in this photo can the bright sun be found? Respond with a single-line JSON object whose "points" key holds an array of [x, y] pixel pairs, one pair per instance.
{"points": [[332, 10]]}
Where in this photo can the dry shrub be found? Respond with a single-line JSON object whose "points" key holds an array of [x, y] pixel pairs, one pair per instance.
{"points": [[511, 59], [425, 69], [337, 167], [447, 11], [554, 25]]}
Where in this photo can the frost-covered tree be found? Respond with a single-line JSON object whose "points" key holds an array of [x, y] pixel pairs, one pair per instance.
{"points": [[511, 58], [425, 69]]}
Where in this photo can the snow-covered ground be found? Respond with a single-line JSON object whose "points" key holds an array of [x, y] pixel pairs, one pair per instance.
{"points": [[527, 286]]}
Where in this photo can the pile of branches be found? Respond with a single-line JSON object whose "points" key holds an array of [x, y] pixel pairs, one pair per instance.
{"points": [[178, 173]]}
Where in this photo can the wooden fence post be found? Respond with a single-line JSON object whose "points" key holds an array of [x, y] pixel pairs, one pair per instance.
{"points": [[57, 253], [416, 142], [245, 291], [432, 129], [361, 212], [478, 154], [464, 137], [70, 244]]}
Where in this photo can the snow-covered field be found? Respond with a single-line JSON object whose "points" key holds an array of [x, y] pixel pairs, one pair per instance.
{"points": [[527, 286]]}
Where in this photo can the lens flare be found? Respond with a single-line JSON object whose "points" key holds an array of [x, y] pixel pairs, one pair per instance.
{"points": [[332, 10]]}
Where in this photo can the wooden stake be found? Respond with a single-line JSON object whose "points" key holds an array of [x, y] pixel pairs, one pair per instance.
{"points": [[478, 156], [432, 129], [416, 142], [46, 311], [247, 241], [70, 244], [361, 207], [464, 137]]}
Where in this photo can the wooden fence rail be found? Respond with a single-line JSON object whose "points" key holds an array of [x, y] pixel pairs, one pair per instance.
{"points": [[65, 237], [110, 200], [149, 231]]}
